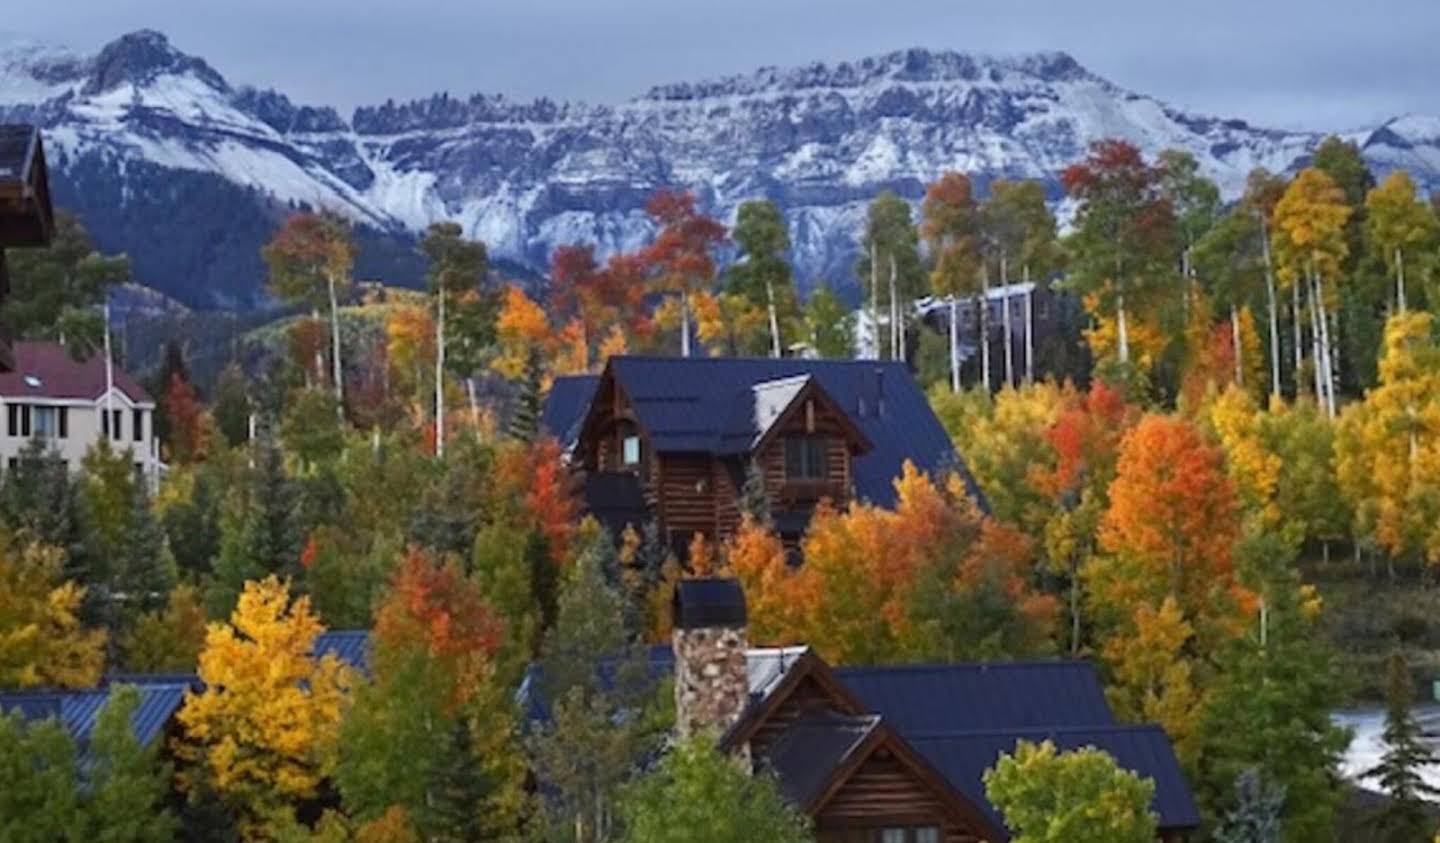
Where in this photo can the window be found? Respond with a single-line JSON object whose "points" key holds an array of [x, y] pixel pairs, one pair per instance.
{"points": [[111, 423], [805, 458], [47, 422], [912, 834], [64, 422], [12, 414], [137, 425], [630, 450], [24, 419]]}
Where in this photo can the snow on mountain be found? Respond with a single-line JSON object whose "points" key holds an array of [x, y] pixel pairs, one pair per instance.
{"points": [[164, 136]]}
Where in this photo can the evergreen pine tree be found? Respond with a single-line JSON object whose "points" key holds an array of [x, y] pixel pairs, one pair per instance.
{"points": [[525, 420], [259, 533], [603, 717], [1255, 816], [172, 364], [1405, 816], [754, 500], [462, 791], [38, 497], [232, 405]]}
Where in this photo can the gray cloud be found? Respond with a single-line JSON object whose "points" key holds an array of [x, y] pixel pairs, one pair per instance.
{"points": [[1293, 63]]}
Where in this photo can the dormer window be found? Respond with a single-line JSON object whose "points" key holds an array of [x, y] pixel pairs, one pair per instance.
{"points": [[630, 450], [805, 458]]}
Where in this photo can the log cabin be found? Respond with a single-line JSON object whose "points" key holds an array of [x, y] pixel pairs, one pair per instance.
{"points": [[676, 440], [889, 753], [27, 218]]}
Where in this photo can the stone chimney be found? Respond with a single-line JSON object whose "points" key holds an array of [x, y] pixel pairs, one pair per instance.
{"points": [[712, 683]]}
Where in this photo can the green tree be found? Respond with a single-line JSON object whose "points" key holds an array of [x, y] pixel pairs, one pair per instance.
{"points": [[309, 429], [232, 405], [603, 710], [456, 273], [697, 795], [890, 265], [1270, 703], [1070, 797], [128, 783], [829, 324], [54, 291], [259, 529], [126, 563], [1405, 815], [37, 497], [762, 275], [39, 802]]}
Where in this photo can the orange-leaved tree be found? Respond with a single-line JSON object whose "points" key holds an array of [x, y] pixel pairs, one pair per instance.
{"points": [[1164, 594], [261, 735]]}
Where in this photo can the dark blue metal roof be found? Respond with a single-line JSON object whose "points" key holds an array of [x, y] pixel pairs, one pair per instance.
{"points": [[565, 407], [689, 404], [981, 696], [1145, 750], [351, 646], [79, 711], [808, 751]]}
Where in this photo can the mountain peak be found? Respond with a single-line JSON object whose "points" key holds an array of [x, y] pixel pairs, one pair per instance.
{"points": [[914, 64], [139, 57]]}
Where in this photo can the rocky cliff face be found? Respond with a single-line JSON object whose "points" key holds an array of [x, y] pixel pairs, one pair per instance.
{"points": [[167, 161]]}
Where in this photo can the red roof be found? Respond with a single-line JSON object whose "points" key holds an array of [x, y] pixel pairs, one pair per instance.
{"points": [[46, 370]]}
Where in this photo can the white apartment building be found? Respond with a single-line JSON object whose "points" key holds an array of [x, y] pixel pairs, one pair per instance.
{"points": [[63, 402]]}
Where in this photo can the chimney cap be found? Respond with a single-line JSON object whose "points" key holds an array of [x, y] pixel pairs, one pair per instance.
{"points": [[709, 602]]}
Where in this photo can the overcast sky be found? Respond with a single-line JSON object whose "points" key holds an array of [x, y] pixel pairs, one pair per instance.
{"points": [[1323, 64]]}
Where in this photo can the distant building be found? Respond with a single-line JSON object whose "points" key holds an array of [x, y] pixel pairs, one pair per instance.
{"points": [[674, 440], [26, 216], [63, 402], [1035, 312]]}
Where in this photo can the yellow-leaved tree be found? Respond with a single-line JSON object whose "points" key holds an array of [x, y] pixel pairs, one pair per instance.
{"points": [[41, 639], [262, 733], [1387, 449]]}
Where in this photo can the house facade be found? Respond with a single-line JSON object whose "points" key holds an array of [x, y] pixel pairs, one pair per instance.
{"points": [[69, 405], [684, 442], [895, 754]]}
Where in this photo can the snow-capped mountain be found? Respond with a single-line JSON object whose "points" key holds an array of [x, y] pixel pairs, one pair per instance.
{"points": [[167, 161]]}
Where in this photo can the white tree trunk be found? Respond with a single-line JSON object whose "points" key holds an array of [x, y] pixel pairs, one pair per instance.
{"points": [[875, 299], [1029, 328], [336, 368], [1274, 310], [1399, 279], [1005, 319], [774, 318], [684, 324], [983, 308], [1299, 337], [954, 347], [440, 377], [894, 313], [1121, 329], [1326, 345], [1239, 349]]}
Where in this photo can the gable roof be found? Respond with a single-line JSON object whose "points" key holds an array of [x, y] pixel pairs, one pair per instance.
{"points": [[565, 407], [806, 755], [46, 370], [963, 757], [996, 695], [689, 404]]}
